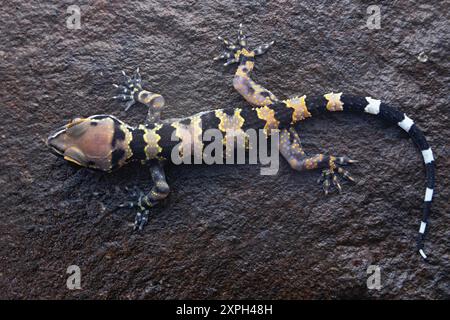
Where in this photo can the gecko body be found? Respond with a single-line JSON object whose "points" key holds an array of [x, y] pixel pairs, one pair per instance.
{"points": [[106, 143]]}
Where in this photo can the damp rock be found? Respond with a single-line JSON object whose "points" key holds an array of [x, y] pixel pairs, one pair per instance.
{"points": [[225, 231]]}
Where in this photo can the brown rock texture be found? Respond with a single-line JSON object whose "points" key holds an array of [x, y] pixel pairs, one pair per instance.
{"points": [[225, 231]]}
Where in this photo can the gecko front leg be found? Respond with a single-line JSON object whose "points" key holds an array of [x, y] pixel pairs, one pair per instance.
{"points": [[238, 52], [159, 192], [131, 91]]}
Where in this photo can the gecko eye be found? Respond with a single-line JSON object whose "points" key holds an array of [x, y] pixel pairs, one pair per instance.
{"points": [[75, 121], [77, 127]]}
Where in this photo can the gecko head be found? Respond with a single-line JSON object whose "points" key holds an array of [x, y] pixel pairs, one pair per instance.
{"points": [[98, 142]]}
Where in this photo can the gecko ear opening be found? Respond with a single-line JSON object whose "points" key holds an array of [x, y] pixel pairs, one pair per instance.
{"points": [[75, 121]]}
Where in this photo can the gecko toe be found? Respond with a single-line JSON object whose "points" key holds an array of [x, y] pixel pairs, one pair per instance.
{"points": [[140, 220], [345, 174], [344, 160], [326, 181]]}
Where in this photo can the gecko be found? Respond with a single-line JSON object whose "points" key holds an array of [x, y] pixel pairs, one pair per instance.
{"points": [[103, 142]]}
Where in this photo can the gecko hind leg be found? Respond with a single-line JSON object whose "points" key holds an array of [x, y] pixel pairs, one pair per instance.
{"points": [[234, 50], [291, 149]]}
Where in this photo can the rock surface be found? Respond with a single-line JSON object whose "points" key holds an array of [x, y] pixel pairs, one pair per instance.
{"points": [[225, 231]]}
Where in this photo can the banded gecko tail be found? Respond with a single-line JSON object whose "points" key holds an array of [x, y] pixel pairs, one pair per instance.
{"points": [[348, 103]]}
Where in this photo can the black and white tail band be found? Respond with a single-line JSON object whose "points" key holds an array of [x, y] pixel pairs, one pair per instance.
{"points": [[380, 109]]}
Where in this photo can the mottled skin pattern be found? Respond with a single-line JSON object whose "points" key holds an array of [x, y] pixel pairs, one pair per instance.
{"points": [[105, 143]]}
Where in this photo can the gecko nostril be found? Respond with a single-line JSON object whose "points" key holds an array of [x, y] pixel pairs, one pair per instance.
{"points": [[54, 146], [55, 141]]}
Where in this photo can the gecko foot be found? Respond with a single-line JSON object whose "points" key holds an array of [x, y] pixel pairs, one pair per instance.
{"points": [[330, 176], [142, 205], [234, 50], [140, 220], [126, 91]]}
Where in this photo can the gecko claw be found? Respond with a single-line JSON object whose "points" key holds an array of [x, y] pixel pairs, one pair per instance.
{"points": [[345, 174], [344, 160], [336, 183], [231, 61], [129, 104], [128, 205]]}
